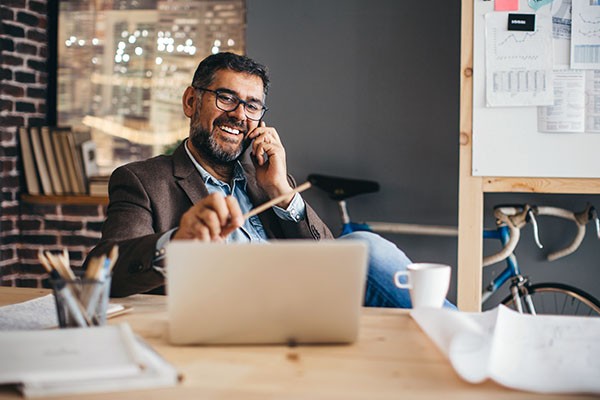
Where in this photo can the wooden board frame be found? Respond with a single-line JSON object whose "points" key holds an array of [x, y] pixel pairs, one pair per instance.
{"points": [[472, 188]]}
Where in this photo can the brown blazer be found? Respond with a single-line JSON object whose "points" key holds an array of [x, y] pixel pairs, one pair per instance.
{"points": [[148, 198]]}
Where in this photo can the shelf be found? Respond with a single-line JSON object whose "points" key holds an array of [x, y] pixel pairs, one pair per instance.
{"points": [[79, 200]]}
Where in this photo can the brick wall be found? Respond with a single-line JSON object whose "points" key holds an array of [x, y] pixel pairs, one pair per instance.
{"points": [[24, 228]]}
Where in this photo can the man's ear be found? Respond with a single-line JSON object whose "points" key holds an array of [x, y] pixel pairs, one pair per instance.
{"points": [[189, 101]]}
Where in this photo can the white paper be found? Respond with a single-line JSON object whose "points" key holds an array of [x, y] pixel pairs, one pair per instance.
{"points": [[39, 313], [592, 101], [561, 31], [541, 353], [155, 374], [518, 64], [568, 112], [81, 360], [576, 103], [64, 355], [585, 35], [546, 354], [561, 19]]}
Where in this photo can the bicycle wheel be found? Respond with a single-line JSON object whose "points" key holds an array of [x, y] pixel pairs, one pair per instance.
{"points": [[559, 299]]}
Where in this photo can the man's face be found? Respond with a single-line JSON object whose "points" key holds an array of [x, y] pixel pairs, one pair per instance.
{"points": [[220, 135]]}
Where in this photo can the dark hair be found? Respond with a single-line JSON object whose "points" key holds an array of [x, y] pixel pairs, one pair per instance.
{"points": [[205, 73]]}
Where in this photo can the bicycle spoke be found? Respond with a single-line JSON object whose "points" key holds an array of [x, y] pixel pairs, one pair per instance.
{"points": [[564, 305], [561, 299]]}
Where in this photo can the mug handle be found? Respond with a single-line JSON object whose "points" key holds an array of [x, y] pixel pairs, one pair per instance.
{"points": [[399, 284]]}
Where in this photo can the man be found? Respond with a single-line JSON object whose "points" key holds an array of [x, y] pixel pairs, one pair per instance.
{"points": [[231, 163]]}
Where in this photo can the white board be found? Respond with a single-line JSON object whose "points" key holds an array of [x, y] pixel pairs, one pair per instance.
{"points": [[506, 141]]}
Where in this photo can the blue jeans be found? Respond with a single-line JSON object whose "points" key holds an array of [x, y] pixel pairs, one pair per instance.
{"points": [[384, 260]]}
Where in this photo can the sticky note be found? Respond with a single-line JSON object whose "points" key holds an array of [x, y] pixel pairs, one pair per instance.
{"points": [[506, 5]]}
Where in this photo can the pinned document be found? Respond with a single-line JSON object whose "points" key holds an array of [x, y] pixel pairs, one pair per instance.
{"points": [[518, 64]]}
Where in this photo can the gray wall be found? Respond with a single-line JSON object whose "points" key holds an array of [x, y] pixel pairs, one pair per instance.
{"points": [[370, 89]]}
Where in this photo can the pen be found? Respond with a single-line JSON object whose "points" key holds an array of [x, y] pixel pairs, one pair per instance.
{"points": [[99, 285], [102, 270], [64, 292], [276, 200]]}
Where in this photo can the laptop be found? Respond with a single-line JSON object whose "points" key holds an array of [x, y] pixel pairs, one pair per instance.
{"points": [[289, 291]]}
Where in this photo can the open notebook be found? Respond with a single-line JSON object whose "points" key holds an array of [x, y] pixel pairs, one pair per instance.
{"points": [[277, 292]]}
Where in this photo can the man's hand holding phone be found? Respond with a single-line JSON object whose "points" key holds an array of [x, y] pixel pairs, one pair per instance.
{"points": [[268, 155]]}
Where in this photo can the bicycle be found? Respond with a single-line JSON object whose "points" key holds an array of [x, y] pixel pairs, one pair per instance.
{"points": [[524, 295], [538, 298], [341, 189]]}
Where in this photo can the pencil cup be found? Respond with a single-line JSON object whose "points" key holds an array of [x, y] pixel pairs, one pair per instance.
{"points": [[81, 302]]}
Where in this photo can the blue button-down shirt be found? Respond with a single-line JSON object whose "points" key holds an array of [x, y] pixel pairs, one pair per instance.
{"points": [[252, 230]]}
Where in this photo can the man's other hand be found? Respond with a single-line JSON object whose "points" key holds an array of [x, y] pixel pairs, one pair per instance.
{"points": [[212, 219]]}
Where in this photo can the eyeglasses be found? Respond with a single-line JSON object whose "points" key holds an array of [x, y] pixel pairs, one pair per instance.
{"points": [[227, 102]]}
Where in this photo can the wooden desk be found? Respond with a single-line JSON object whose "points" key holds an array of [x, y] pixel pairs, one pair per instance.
{"points": [[393, 359]]}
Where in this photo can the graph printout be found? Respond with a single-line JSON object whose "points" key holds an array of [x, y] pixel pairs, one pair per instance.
{"points": [[561, 19], [585, 35], [518, 63]]}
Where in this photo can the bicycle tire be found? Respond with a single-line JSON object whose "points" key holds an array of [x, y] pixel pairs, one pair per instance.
{"points": [[560, 299]]}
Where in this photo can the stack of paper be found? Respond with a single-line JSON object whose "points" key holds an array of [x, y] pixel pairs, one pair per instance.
{"points": [[539, 353], [81, 360], [40, 313]]}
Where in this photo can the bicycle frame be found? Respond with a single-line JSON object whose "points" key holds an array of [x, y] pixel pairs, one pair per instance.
{"points": [[511, 271], [349, 226]]}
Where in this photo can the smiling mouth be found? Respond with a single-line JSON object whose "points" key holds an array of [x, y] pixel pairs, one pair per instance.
{"points": [[230, 130]]}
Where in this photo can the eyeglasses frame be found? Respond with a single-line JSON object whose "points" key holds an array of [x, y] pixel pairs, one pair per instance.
{"points": [[239, 101]]}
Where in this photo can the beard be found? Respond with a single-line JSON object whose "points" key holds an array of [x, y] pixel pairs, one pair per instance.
{"points": [[205, 143]]}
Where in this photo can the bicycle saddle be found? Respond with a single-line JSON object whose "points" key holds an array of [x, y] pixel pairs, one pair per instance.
{"points": [[342, 188]]}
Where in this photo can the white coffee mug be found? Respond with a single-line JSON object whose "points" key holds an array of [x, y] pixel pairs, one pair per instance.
{"points": [[428, 283]]}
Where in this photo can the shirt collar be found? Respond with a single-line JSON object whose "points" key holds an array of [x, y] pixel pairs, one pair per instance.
{"points": [[239, 177]]}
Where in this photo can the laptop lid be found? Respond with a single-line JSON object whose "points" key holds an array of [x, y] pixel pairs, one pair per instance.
{"points": [[290, 291]]}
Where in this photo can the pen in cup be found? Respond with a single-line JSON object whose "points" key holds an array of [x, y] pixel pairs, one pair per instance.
{"points": [[75, 307], [102, 269]]}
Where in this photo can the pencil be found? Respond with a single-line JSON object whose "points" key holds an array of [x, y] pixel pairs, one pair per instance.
{"points": [[272, 202], [113, 255]]}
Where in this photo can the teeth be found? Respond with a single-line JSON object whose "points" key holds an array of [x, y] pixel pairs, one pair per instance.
{"points": [[230, 130]]}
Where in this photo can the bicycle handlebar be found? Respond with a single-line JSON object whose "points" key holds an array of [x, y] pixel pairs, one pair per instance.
{"points": [[515, 235], [515, 217], [571, 216]]}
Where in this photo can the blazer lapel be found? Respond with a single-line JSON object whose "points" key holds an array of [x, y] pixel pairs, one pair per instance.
{"points": [[187, 176]]}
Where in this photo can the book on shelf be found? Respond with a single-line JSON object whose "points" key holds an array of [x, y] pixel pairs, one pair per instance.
{"points": [[98, 185], [71, 147], [61, 158], [87, 360], [51, 160], [31, 179], [57, 160], [76, 138], [77, 163], [69, 163], [40, 160]]}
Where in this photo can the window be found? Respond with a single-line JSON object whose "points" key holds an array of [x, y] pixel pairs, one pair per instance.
{"points": [[123, 66]]}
